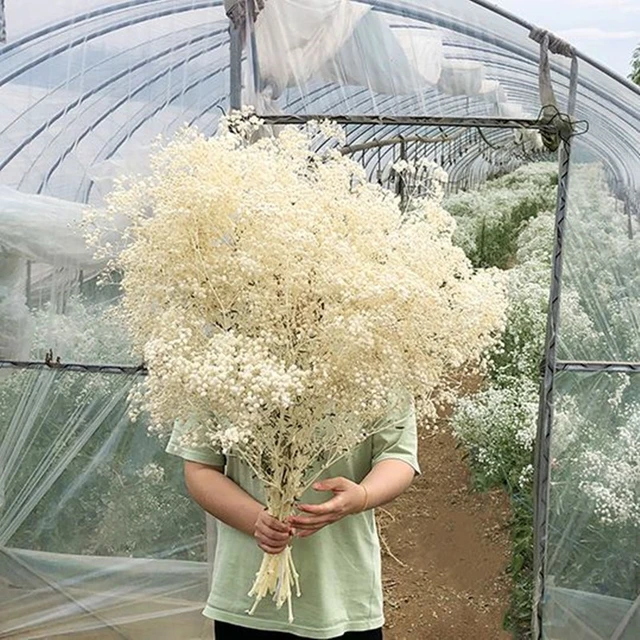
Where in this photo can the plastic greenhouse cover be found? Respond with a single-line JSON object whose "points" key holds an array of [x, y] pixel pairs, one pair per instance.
{"points": [[99, 79], [96, 532], [85, 87], [600, 305], [594, 517]]}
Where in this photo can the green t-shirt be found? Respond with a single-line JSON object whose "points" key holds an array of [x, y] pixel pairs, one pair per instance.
{"points": [[339, 566]]}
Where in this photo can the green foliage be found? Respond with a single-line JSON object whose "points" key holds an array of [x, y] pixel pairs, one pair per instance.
{"points": [[490, 218], [518, 617]]}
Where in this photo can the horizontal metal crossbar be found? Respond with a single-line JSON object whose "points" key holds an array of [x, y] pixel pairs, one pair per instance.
{"points": [[75, 367], [417, 121], [386, 142], [594, 367], [562, 365]]}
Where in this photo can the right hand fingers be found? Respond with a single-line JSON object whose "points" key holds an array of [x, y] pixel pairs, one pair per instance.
{"points": [[271, 549], [265, 531], [273, 523], [270, 541]]}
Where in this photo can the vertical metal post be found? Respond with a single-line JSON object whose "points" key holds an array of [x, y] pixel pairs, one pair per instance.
{"points": [[3, 24], [212, 537], [235, 68], [401, 187], [253, 46], [545, 415]]}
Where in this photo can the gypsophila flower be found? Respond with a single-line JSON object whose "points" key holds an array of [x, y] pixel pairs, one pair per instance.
{"points": [[151, 472], [283, 304]]}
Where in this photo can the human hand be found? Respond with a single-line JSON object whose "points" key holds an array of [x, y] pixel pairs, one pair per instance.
{"points": [[348, 498], [272, 535]]}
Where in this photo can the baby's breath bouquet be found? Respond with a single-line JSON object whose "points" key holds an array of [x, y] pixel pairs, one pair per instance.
{"points": [[285, 305]]}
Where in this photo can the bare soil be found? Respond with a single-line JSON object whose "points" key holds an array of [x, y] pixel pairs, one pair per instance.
{"points": [[448, 547]]}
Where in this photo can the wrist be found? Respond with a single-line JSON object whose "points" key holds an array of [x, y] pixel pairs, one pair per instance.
{"points": [[365, 503]]}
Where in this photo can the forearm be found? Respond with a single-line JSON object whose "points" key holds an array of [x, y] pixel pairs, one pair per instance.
{"points": [[386, 481], [221, 497]]}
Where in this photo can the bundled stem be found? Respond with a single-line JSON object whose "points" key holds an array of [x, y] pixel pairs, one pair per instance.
{"points": [[277, 574], [285, 317]]}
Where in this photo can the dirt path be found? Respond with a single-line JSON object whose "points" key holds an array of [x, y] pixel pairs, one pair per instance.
{"points": [[455, 545]]}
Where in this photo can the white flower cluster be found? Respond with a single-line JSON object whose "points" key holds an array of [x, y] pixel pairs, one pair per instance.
{"points": [[594, 443], [597, 448], [285, 306], [498, 428], [152, 473], [615, 488]]}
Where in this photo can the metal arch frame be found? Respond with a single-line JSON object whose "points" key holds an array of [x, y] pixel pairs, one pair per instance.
{"points": [[78, 19], [328, 92], [98, 33], [120, 102], [466, 32], [423, 14], [363, 130], [602, 147], [78, 42], [378, 4], [121, 140]]}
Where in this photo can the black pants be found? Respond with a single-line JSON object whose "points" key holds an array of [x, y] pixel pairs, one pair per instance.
{"points": [[226, 631]]}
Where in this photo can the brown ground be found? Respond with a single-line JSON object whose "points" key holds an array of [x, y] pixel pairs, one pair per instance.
{"points": [[454, 544]]}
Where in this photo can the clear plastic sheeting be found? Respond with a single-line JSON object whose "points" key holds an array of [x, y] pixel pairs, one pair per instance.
{"points": [[593, 565], [49, 298], [601, 271], [600, 616], [97, 534], [476, 44], [53, 595], [461, 77], [90, 81]]}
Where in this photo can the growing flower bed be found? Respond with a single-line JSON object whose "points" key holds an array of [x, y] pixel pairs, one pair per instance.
{"points": [[595, 444]]}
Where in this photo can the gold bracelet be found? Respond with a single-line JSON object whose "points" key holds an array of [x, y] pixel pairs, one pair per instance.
{"points": [[366, 499]]}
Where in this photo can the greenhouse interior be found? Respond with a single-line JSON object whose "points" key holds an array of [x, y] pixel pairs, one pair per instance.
{"points": [[541, 145]]}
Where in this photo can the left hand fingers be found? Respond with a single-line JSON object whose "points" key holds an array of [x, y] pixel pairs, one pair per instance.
{"points": [[308, 522], [330, 506], [308, 532]]}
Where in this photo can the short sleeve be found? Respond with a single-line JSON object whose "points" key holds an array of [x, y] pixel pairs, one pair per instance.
{"points": [[398, 440], [204, 454]]}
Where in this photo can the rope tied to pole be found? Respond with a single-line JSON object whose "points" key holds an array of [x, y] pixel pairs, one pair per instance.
{"points": [[555, 44], [561, 127]]}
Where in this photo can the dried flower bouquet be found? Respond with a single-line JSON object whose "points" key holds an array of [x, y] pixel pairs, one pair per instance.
{"points": [[288, 304]]}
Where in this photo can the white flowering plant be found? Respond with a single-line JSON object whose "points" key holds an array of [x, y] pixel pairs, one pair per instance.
{"points": [[286, 305], [490, 218], [498, 428], [100, 483], [594, 443]]}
